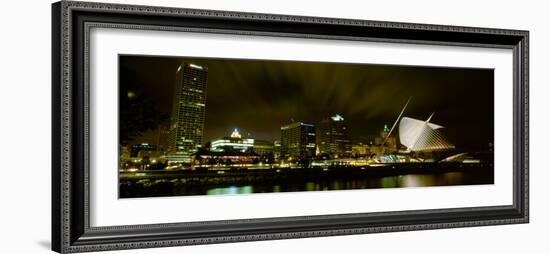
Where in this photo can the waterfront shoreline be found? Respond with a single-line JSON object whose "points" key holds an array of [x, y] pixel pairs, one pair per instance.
{"points": [[200, 181]]}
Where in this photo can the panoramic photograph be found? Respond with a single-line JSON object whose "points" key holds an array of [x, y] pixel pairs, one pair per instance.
{"points": [[213, 126]]}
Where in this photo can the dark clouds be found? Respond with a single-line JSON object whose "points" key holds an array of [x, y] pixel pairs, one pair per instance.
{"points": [[259, 96]]}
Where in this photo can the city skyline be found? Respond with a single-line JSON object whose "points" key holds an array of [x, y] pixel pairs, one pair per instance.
{"points": [[220, 125], [228, 109]]}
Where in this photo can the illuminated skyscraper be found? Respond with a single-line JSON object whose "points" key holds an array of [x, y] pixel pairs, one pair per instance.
{"points": [[385, 132], [188, 110], [298, 140], [385, 143], [333, 138], [277, 149]]}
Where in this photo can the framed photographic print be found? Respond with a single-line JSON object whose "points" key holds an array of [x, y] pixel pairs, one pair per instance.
{"points": [[181, 126]]}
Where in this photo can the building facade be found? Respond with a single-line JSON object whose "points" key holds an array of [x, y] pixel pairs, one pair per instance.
{"points": [[298, 140], [276, 149], [188, 111], [384, 143], [360, 150], [333, 137], [263, 147], [233, 143], [142, 149]]}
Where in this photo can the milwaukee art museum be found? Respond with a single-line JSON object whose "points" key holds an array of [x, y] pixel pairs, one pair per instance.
{"points": [[421, 136], [417, 137]]}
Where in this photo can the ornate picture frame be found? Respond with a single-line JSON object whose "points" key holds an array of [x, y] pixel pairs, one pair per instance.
{"points": [[71, 228]]}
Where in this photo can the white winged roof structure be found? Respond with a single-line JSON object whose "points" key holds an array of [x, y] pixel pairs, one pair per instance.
{"points": [[419, 135]]}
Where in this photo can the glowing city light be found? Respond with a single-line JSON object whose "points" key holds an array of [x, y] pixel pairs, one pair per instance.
{"points": [[337, 118], [235, 134], [196, 66]]}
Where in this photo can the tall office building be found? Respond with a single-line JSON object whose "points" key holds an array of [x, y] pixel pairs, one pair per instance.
{"points": [[298, 140], [385, 143], [276, 149], [188, 110], [333, 138]]}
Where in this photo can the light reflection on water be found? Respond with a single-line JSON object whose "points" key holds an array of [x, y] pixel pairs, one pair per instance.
{"points": [[231, 190], [180, 187], [411, 180]]}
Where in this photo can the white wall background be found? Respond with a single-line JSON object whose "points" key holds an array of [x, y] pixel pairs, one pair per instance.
{"points": [[25, 125]]}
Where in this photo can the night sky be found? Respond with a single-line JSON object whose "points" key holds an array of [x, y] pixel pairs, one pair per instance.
{"points": [[258, 96]]}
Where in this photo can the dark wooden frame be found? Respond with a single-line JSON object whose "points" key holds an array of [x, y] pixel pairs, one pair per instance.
{"points": [[71, 22]]}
